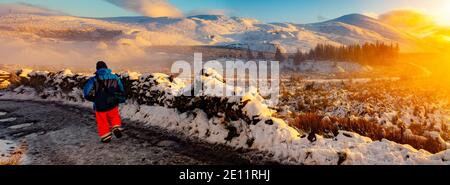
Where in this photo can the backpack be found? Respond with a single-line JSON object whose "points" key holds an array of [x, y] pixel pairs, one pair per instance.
{"points": [[106, 97]]}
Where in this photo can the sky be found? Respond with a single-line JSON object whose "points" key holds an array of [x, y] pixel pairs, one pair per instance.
{"points": [[297, 11]]}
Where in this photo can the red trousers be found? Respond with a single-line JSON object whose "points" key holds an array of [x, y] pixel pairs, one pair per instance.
{"points": [[107, 119]]}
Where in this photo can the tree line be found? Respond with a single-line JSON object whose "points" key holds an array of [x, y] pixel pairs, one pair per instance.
{"points": [[377, 53]]}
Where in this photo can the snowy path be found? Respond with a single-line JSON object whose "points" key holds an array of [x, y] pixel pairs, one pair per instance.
{"points": [[61, 134]]}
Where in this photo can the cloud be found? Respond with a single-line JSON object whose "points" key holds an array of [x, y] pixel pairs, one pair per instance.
{"points": [[151, 8], [321, 18], [208, 12], [24, 8], [407, 19]]}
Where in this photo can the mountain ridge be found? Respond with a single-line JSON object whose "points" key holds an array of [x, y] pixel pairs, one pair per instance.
{"points": [[216, 30]]}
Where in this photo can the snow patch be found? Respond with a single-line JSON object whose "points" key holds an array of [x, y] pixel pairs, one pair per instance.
{"points": [[6, 148], [7, 120], [21, 126], [24, 72], [4, 73]]}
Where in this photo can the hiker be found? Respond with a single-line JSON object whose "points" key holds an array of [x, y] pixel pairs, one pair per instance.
{"points": [[106, 91]]}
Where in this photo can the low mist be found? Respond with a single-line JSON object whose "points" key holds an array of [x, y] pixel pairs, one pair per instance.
{"points": [[80, 55]]}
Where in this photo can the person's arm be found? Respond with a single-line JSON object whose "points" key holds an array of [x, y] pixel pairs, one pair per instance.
{"points": [[88, 87], [120, 84], [122, 98]]}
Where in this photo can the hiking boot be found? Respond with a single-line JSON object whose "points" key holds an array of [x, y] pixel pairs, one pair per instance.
{"points": [[117, 131], [106, 139]]}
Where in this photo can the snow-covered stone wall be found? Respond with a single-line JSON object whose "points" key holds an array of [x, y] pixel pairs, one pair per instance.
{"points": [[4, 76]]}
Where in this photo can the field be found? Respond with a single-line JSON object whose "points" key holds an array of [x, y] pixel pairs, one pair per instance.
{"points": [[407, 111]]}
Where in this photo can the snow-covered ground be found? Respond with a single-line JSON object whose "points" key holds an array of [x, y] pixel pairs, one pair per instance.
{"points": [[415, 107], [4, 76], [6, 149], [325, 67], [3, 73], [240, 122]]}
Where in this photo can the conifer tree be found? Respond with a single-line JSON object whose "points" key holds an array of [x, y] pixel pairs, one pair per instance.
{"points": [[279, 56], [250, 54]]}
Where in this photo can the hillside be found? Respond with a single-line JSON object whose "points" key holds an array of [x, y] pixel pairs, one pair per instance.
{"points": [[200, 30]]}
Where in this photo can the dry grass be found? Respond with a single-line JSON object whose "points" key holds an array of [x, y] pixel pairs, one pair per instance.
{"points": [[316, 124], [379, 109]]}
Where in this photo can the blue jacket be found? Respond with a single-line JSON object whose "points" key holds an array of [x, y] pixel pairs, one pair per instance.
{"points": [[104, 89]]}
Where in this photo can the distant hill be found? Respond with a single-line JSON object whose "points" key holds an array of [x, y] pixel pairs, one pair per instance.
{"points": [[214, 30]]}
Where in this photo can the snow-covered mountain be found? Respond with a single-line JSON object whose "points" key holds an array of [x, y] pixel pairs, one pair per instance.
{"points": [[244, 32], [199, 30], [356, 28], [374, 25]]}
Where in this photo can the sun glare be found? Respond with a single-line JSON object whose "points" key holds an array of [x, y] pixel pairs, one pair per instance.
{"points": [[444, 14], [446, 38]]}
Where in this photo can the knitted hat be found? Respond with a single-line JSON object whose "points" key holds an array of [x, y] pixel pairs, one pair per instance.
{"points": [[101, 65]]}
